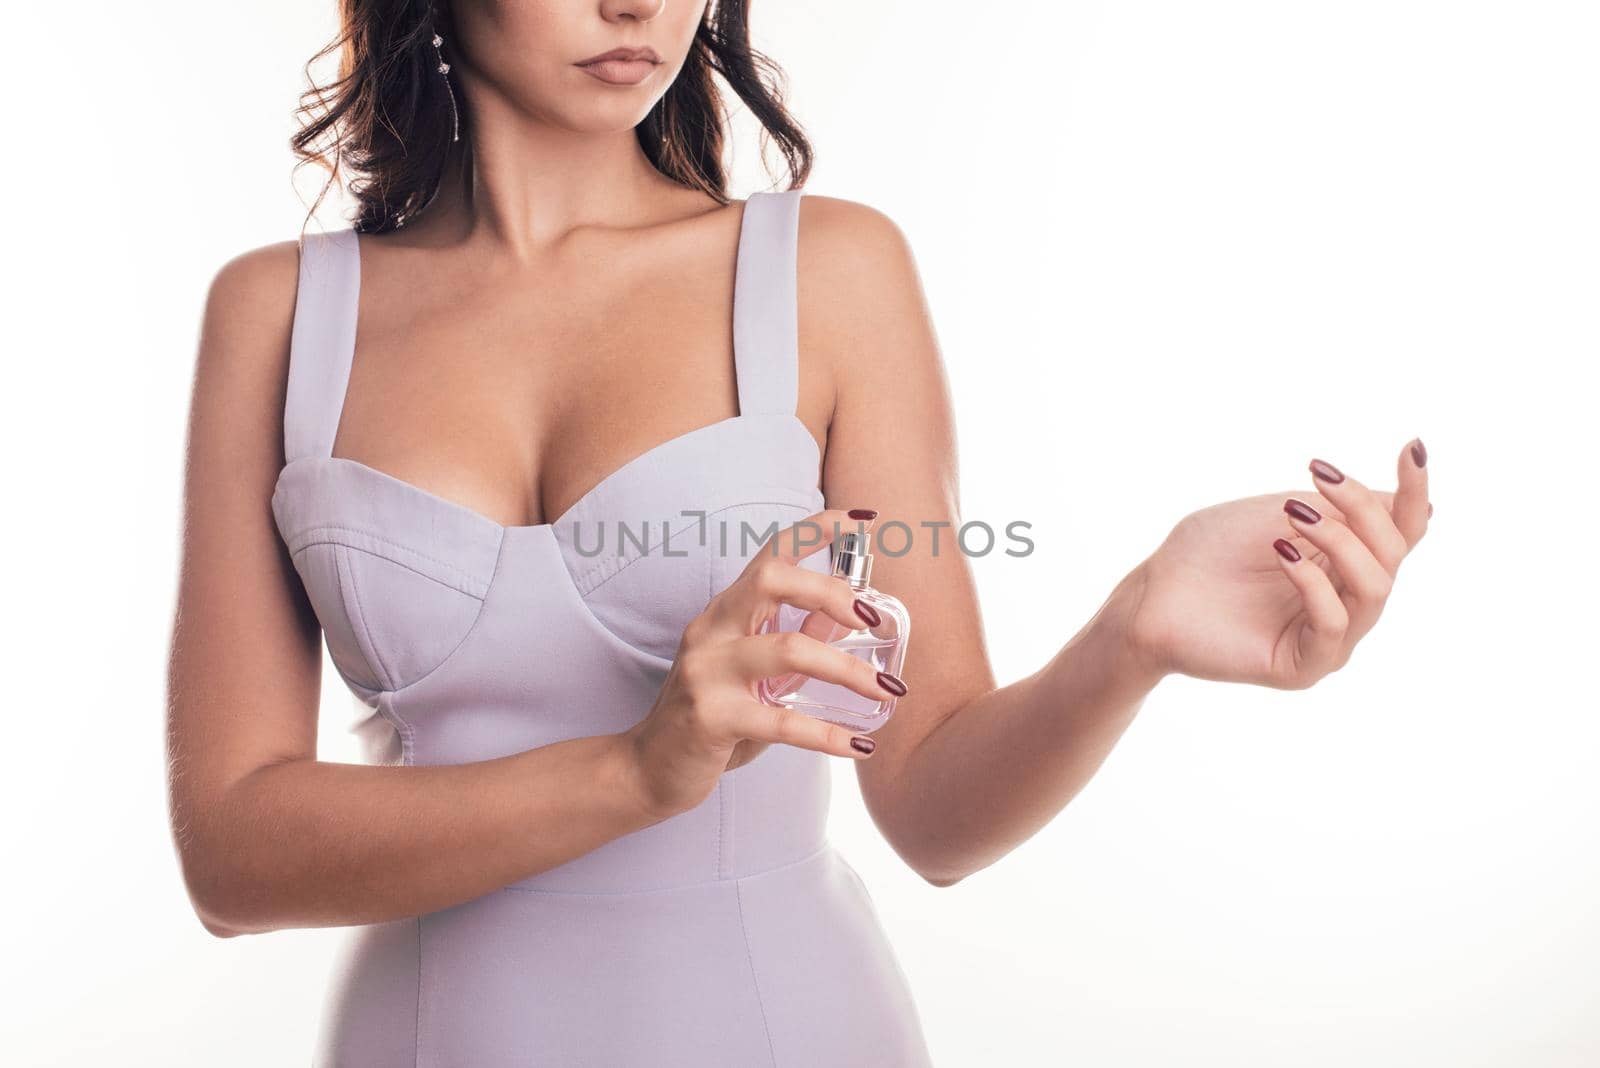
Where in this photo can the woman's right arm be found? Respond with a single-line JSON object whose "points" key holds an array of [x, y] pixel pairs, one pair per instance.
{"points": [[268, 836]]}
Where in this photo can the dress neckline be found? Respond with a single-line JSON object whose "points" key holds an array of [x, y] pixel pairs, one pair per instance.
{"points": [[616, 476], [747, 291]]}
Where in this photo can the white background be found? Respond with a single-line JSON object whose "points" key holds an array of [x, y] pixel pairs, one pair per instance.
{"points": [[1174, 251]]}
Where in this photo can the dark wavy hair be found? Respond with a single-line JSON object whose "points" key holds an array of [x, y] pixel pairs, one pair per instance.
{"points": [[384, 124]]}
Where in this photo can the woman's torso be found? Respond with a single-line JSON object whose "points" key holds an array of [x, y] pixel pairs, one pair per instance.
{"points": [[725, 935]]}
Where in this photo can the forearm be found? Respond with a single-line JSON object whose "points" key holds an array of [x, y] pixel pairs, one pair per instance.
{"points": [[315, 844], [1002, 766]]}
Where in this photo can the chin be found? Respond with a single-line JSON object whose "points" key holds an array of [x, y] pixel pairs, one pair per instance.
{"points": [[603, 116]]}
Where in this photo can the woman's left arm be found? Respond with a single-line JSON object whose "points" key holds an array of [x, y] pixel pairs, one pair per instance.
{"points": [[965, 771]]}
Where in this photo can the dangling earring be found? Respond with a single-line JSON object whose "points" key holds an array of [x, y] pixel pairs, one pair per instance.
{"points": [[444, 72]]}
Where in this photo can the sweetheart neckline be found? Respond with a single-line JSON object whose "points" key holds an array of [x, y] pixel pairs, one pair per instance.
{"points": [[593, 491]]}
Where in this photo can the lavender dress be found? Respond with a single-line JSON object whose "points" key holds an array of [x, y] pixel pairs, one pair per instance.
{"points": [[732, 934]]}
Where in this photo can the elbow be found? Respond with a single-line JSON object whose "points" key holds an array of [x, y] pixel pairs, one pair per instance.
{"points": [[221, 875], [215, 926], [930, 859], [225, 915], [937, 868], [215, 898], [214, 907], [941, 879], [938, 864], [924, 849], [934, 861]]}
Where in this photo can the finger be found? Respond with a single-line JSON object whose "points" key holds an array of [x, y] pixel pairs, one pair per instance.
{"points": [[1366, 581], [1364, 513], [1321, 648], [770, 723], [768, 582], [824, 628], [799, 540], [766, 656], [818, 625], [1410, 507]]}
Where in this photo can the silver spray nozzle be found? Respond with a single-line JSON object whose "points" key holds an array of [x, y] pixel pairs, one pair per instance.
{"points": [[852, 559]]}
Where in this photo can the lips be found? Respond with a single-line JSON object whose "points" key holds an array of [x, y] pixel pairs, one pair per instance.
{"points": [[644, 52], [622, 66]]}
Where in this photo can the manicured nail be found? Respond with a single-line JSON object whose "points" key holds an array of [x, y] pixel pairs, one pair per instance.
{"points": [[1419, 455], [1430, 510], [1326, 471], [1301, 510], [892, 684], [862, 744], [869, 615], [1285, 550], [862, 513]]}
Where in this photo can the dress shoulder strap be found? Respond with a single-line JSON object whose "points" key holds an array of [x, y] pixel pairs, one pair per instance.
{"points": [[322, 341], [766, 347]]}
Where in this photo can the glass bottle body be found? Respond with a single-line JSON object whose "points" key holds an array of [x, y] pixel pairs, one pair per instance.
{"points": [[882, 646]]}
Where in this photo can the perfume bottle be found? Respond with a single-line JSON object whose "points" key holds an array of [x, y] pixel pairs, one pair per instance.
{"points": [[882, 645]]}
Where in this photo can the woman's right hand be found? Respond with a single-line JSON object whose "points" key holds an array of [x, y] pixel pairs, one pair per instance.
{"points": [[708, 718]]}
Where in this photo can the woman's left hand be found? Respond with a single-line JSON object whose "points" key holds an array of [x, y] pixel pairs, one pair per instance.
{"points": [[1257, 590]]}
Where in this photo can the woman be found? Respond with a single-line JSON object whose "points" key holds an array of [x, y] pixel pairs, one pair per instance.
{"points": [[576, 841]]}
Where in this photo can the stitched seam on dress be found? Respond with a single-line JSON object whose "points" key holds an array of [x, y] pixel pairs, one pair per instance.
{"points": [[392, 717], [363, 648], [579, 582], [722, 815], [397, 563], [359, 688], [448, 582], [582, 596], [309, 532], [750, 959], [408, 741], [483, 607], [384, 675], [732, 847], [813, 855], [686, 526], [416, 1033]]}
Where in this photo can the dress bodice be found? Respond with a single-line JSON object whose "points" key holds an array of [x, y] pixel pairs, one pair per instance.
{"points": [[464, 639], [730, 934]]}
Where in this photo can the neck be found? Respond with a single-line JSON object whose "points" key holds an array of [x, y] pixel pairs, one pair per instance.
{"points": [[524, 184]]}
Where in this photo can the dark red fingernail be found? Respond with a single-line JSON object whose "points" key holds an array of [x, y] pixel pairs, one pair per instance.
{"points": [[1285, 550], [1419, 455], [869, 615], [862, 513], [892, 684], [1326, 471], [1301, 510], [862, 744]]}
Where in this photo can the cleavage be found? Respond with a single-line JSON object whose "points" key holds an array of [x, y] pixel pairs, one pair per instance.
{"points": [[512, 457]]}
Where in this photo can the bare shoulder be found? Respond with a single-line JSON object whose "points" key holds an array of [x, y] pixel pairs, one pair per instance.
{"points": [[235, 443], [860, 292], [845, 244], [253, 293], [241, 370], [263, 264]]}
